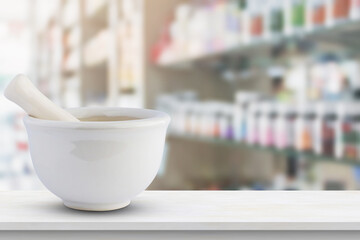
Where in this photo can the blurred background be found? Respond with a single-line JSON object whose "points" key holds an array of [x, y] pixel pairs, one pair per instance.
{"points": [[263, 94]]}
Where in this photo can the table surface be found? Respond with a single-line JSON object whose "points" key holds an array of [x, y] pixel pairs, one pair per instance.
{"points": [[190, 210]]}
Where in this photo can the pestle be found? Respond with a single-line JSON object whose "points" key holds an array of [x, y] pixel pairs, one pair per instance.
{"points": [[23, 92]]}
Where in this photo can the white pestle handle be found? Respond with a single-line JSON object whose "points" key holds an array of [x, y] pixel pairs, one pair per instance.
{"points": [[23, 92]]}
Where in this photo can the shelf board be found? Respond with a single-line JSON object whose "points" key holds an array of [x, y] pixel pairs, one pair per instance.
{"points": [[284, 152], [346, 32], [96, 21], [101, 64], [128, 91], [99, 16], [69, 27], [67, 73], [91, 30]]}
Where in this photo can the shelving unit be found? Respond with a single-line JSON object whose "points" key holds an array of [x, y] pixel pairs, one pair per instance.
{"points": [[88, 43], [285, 152], [196, 73], [345, 33], [103, 51]]}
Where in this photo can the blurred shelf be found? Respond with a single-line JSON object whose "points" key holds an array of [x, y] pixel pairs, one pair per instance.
{"points": [[285, 152], [345, 32], [96, 18], [69, 73], [70, 27], [91, 31], [128, 91], [99, 64], [97, 11]]}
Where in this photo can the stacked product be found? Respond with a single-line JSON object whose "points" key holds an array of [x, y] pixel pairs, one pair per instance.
{"points": [[325, 125], [213, 119], [284, 126], [240, 22], [243, 100], [347, 131], [324, 128], [304, 128], [210, 119]]}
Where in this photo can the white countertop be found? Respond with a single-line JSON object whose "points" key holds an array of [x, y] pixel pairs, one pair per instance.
{"points": [[190, 210]]}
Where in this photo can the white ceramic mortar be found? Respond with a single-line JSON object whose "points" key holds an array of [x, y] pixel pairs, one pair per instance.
{"points": [[98, 166]]}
